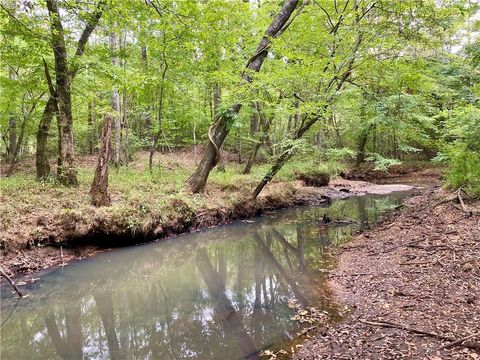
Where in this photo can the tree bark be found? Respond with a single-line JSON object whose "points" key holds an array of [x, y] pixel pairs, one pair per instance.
{"points": [[254, 123], [217, 102], [125, 127], [82, 42], [220, 128], [41, 157], [156, 135], [114, 48], [12, 123], [266, 128], [67, 173], [99, 188], [305, 126], [91, 130], [20, 142], [361, 149]]}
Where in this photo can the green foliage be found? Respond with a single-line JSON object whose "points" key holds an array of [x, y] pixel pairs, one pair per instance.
{"points": [[464, 170], [382, 163], [406, 96]]}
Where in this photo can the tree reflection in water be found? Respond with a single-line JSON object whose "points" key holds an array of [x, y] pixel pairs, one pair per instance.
{"points": [[216, 294]]}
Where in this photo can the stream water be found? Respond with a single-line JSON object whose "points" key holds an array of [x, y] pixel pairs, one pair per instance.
{"points": [[221, 293]]}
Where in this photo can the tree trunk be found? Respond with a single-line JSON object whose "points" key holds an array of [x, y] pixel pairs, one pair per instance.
{"points": [[91, 138], [156, 135], [125, 127], [217, 99], [284, 157], [219, 130], [67, 172], [281, 160], [266, 128], [20, 141], [114, 48], [12, 124], [41, 156], [12, 136], [99, 188], [254, 124], [82, 41], [361, 149]]}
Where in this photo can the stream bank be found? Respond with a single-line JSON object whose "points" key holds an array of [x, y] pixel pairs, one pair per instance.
{"points": [[220, 293], [417, 272], [44, 240]]}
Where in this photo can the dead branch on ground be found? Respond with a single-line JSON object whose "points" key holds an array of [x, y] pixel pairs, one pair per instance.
{"points": [[11, 282]]}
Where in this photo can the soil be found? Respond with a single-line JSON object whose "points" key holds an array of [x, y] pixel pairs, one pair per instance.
{"points": [[410, 287], [406, 173]]}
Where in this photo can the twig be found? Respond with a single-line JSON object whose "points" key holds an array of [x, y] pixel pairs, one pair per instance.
{"points": [[459, 196], [11, 282], [409, 244], [444, 201], [389, 324]]}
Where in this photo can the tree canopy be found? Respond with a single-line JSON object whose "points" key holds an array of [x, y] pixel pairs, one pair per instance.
{"points": [[334, 82]]}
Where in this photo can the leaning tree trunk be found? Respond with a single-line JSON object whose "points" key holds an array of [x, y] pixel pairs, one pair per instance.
{"points": [[219, 130], [289, 150], [99, 188], [217, 99], [281, 160]]}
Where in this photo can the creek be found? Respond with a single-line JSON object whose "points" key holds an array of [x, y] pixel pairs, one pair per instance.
{"points": [[221, 293]]}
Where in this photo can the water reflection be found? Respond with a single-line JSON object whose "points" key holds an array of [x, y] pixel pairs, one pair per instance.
{"points": [[217, 294]]}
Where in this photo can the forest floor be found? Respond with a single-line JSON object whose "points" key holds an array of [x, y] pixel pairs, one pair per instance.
{"points": [[45, 225], [411, 287]]}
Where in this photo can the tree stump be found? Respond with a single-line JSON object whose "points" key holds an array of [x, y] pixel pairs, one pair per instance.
{"points": [[99, 188]]}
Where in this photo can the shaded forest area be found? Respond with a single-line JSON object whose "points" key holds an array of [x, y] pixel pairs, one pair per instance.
{"points": [[330, 83]]}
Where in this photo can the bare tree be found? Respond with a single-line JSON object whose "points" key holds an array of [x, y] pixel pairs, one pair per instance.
{"points": [[99, 188]]}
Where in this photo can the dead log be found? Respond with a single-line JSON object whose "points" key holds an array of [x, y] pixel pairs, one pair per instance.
{"points": [[11, 282], [99, 188]]}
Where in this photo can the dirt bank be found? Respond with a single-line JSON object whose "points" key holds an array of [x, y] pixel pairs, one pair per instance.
{"points": [[41, 240], [411, 287]]}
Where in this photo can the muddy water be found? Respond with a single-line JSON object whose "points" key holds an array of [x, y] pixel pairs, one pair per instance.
{"points": [[216, 294]]}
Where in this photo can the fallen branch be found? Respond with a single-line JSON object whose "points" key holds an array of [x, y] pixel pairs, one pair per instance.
{"points": [[444, 201], [454, 342], [11, 282], [460, 200], [458, 342], [409, 244]]}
